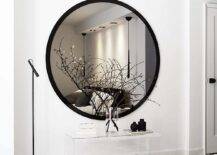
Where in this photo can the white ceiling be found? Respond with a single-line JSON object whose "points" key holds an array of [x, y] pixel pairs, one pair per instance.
{"points": [[87, 11]]}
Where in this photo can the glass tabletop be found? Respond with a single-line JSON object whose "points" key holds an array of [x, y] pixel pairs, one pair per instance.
{"points": [[120, 134]]}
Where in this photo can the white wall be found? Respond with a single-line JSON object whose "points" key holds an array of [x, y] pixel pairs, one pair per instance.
{"points": [[6, 78], [196, 112], [24, 49], [169, 20]]}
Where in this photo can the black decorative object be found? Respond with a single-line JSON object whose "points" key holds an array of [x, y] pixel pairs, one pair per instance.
{"points": [[141, 125], [212, 80], [34, 73], [134, 127], [128, 18]]}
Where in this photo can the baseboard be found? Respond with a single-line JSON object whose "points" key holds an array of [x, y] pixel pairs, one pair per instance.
{"points": [[168, 152], [195, 151], [5, 151]]}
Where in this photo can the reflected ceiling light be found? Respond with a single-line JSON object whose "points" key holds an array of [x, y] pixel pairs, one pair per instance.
{"points": [[84, 48], [99, 45], [108, 44], [120, 45], [101, 27], [128, 18], [114, 23]]}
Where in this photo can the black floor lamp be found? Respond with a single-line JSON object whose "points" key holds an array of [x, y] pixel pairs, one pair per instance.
{"points": [[34, 73]]}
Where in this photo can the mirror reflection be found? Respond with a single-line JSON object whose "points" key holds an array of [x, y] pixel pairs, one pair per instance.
{"points": [[103, 55]]}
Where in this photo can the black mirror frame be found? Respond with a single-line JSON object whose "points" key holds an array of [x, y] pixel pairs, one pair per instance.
{"points": [[48, 50]]}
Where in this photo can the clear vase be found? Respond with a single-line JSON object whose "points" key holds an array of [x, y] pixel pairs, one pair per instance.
{"points": [[111, 120]]}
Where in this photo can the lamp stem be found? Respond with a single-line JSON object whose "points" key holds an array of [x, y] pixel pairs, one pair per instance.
{"points": [[84, 47], [34, 72], [128, 65], [33, 113], [128, 18]]}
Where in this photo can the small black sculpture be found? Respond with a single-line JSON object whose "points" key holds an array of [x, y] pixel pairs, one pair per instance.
{"points": [[134, 127], [141, 125]]}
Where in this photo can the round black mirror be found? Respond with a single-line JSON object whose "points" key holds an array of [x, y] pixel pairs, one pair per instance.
{"points": [[100, 55]]}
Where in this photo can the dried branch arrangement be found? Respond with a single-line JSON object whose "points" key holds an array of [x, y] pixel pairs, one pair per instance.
{"points": [[104, 81]]}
